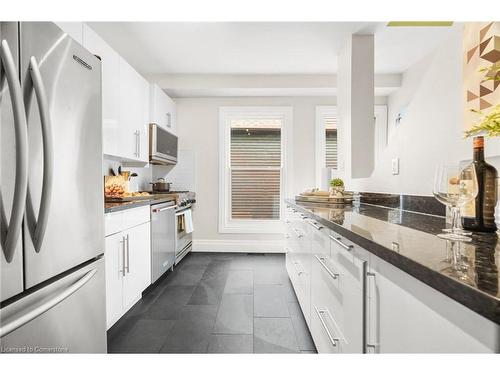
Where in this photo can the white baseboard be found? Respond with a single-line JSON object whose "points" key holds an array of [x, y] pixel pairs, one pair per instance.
{"points": [[239, 246]]}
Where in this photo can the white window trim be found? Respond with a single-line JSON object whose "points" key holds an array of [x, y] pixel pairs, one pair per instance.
{"points": [[321, 112], [380, 113], [226, 114]]}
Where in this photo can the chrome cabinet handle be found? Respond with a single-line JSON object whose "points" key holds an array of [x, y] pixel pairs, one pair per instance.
{"points": [[339, 242], [297, 233], [128, 253], [138, 143], [318, 227], [320, 313], [122, 242], [321, 261], [11, 233], [39, 225], [36, 312], [368, 346]]}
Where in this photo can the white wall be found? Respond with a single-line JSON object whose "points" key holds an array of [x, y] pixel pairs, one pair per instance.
{"points": [[198, 120], [431, 131]]}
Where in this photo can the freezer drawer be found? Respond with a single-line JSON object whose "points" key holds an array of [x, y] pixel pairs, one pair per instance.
{"points": [[77, 324]]}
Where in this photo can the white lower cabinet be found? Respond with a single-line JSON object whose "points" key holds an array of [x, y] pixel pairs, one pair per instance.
{"points": [[128, 265], [114, 262], [354, 302], [406, 316], [138, 263]]}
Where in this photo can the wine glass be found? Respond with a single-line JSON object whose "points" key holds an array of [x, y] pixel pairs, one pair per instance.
{"points": [[454, 188]]}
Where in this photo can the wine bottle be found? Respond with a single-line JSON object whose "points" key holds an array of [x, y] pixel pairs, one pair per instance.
{"points": [[479, 214]]}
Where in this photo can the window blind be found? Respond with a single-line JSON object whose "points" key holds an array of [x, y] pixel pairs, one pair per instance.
{"points": [[255, 172], [331, 144]]}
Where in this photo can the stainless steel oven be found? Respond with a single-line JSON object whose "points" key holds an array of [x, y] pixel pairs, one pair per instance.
{"points": [[162, 146], [184, 232]]}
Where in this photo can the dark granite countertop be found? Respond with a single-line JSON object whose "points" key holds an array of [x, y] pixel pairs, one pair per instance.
{"points": [[120, 206], [408, 241]]}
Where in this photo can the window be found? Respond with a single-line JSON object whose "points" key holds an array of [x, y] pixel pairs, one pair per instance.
{"points": [[331, 149], [252, 166], [328, 145]]}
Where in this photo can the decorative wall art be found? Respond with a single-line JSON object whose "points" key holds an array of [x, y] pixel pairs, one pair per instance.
{"points": [[481, 69]]}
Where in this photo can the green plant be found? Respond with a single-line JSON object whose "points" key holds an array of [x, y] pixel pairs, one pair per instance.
{"points": [[336, 182], [489, 124]]}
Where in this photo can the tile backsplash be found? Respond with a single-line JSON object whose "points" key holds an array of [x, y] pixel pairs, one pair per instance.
{"points": [[180, 175]]}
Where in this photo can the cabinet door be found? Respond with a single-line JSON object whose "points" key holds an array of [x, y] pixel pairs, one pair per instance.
{"points": [[170, 113], [137, 263], [110, 63], [163, 109], [134, 107], [143, 126], [406, 316], [114, 254]]}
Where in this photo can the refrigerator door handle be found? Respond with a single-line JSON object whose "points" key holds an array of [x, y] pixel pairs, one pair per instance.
{"points": [[36, 312], [37, 228], [13, 229]]}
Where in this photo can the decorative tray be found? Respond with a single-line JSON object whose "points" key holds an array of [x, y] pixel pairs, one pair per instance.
{"points": [[323, 199]]}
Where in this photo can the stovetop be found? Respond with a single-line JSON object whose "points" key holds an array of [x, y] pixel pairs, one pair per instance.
{"points": [[183, 198]]}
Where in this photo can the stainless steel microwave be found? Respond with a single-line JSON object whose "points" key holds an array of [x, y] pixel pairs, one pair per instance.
{"points": [[162, 146]]}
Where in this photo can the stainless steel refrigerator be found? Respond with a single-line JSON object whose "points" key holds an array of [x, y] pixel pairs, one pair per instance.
{"points": [[51, 203]]}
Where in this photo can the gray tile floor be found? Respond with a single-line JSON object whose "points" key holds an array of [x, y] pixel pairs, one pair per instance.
{"points": [[217, 303]]}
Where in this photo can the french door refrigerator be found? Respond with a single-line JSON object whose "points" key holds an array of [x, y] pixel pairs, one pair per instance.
{"points": [[52, 285]]}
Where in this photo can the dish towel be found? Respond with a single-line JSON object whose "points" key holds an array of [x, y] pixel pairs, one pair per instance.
{"points": [[188, 221]]}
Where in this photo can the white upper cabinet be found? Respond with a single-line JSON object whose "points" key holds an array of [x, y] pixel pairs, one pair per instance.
{"points": [[125, 103], [73, 29], [162, 109], [110, 63], [134, 113]]}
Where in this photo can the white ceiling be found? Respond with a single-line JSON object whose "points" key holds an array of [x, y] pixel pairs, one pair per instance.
{"points": [[261, 47]]}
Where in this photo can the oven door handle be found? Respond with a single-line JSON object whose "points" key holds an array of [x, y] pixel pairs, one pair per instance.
{"points": [[179, 213]]}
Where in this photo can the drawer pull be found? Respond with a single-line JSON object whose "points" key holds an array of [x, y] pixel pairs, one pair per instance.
{"points": [[338, 241], [318, 227], [325, 327], [321, 261], [297, 233]]}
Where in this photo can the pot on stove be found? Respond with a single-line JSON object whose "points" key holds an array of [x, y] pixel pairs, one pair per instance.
{"points": [[160, 185]]}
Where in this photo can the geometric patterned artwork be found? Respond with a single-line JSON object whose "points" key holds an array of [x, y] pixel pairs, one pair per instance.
{"points": [[481, 68]]}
